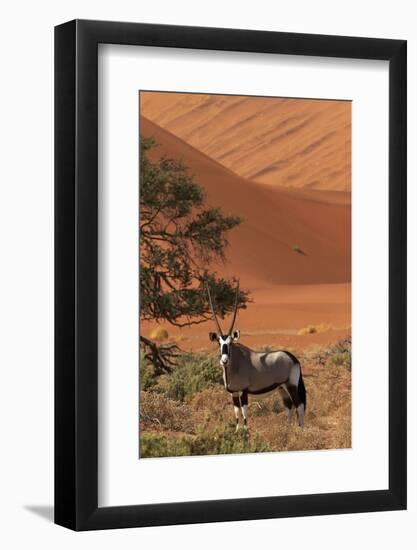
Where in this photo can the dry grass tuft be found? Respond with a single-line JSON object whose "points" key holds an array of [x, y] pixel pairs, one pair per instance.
{"points": [[159, 334], [313, 329], [158, 413]]}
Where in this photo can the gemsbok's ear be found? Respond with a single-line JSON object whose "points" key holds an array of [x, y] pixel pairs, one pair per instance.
{"points": [[213, 336], [236, 335]]}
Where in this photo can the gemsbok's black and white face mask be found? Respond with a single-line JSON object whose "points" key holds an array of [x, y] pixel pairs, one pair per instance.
{"points": [[224, 343]]}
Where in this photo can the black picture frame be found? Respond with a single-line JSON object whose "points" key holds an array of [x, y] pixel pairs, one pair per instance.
{"points": [[76, 272]]}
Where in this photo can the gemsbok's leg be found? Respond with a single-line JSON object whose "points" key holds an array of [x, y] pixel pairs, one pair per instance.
{"points": [[300, 414], [288, 404], [244, 408], [295, 396], [236, 406]]}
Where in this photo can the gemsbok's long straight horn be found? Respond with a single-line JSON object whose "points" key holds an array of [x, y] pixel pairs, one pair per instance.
{"points": [[235, 311], [213, 311]]}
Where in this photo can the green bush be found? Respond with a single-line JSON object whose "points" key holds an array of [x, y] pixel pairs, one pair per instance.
{"points": [[194, 373], [226, 441], [156, 445], [341, 359], [341, 354], [147, 378], [338, 355], [204, 443]]}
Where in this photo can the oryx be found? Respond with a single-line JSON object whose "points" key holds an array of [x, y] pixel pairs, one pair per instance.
{"points": [[250, 372]]}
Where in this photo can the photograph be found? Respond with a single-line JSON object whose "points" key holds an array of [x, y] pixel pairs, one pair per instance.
{"points": [[208, 274], [244, 274]]}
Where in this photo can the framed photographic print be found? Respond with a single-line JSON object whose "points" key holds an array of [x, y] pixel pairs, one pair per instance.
{"points": [[230, 244]]}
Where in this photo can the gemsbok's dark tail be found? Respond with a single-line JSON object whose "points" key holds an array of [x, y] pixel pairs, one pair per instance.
{"points": [[302, 391]]}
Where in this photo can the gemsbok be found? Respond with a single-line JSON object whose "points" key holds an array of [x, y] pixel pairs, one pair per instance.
{"points": [[250, 372]]}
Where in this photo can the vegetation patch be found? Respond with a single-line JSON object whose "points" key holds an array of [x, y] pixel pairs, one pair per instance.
{"points": [[193, 373], [157, 412], [216, 442], [159, 334], [298, 249], [266, 405], [148, 379], [314, 329], [338, 355]]}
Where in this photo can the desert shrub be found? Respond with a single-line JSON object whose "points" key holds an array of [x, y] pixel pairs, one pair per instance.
{"points": [[313, 329], [214, 398], [226, 441], [277, 406], [310, 329], [204, 443], [147, 378], [342, 355], [159, 412], [338, 355], [194, 373], [266, 405], [298, 249], [211, 407], [159, 334], [157, 445]]}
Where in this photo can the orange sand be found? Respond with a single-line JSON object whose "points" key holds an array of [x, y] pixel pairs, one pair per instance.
{"points": [[300, 143]]}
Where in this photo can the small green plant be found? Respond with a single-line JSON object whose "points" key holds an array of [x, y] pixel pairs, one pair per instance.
{"points": [[341, 359], [194, 373], [338, 355], [298, 249]]}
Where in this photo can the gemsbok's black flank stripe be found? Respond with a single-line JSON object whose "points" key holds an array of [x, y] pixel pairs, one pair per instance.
{"points": [[264, 390]]}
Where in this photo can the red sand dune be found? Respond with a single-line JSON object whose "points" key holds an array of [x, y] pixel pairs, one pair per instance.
{"points": [[289, 288], [300, 143], [287, 237]]}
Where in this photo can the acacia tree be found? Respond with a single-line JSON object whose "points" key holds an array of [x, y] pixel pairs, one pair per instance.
{"points": [[179, 239]]}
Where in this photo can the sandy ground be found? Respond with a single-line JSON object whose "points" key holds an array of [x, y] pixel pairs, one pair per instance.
{"points": [[276, 317], [299, 143]]}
